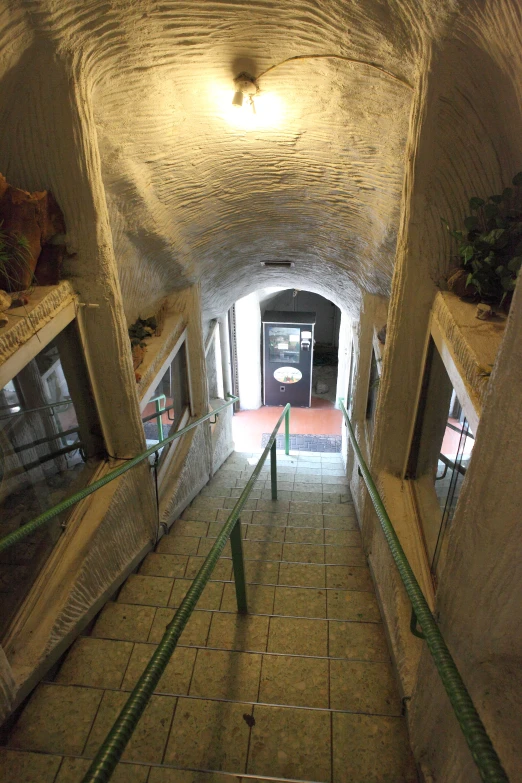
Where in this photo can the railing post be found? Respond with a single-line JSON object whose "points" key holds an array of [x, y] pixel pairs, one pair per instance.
{"points": [[287, 432], [238, 561], [273, 470]]}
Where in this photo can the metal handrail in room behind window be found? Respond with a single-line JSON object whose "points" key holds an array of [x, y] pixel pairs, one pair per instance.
{"points": [[46, 516], [479, 743]]}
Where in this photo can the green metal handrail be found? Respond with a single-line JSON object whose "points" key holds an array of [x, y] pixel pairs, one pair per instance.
{"points": [[51, 513], [479, 743], [116, 741]]}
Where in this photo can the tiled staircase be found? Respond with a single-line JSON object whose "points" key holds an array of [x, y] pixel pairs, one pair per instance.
{"points": [[301, 688]]}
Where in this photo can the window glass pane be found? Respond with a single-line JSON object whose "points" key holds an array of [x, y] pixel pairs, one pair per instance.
{"points": [[373, 390], [441, 452], [171, 393], [284, 344], [45, 443]]}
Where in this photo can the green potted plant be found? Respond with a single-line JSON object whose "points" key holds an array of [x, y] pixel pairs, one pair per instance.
{"points": [[490, 248]]}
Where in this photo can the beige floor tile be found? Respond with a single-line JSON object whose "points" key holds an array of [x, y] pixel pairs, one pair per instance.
{"points": [[200, 514], [298, 636], [304, 535], [308, 486], [206, 544], [268, 518], [300, 602], [303, 553], [183, 528], [345, 555], [238, 632], [23, 767], [262, 550], [222, 571], [250, 505], [363, 641], [168, 565], [57, 719], [126, 622], [215, 528], [73, 771], [334, 480], [273, 506], [342, 537], [196, 630], [209, 735], [265, 533], [307, 496], [224, 674], [215, 491], [210, 597], [171, 775], [308, 575], [260, 599], [290, 743], [371, 749], [224, 513], [147, 743], [208, 502], [262, 571], [146, 590], [282, 494], [299, 682], [175, 679], [361, 686], [349, 577], [255, 493], [98, 663], [352, 605], [183, 545], [305, 520], [340, 523], [345, 510], [302, 507]]}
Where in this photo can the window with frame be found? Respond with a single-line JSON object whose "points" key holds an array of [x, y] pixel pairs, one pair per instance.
{"points": [[50, 444], [168, 405], [440, 454]]}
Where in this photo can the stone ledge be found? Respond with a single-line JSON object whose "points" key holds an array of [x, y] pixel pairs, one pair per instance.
{"points": [[24, 322], [473, 343]]}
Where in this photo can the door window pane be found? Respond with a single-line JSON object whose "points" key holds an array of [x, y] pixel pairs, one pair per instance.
{"points": [[284, 344]]}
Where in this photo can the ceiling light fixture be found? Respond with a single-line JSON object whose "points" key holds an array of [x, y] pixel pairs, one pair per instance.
{"points": [[246, 89], [277, 264]]}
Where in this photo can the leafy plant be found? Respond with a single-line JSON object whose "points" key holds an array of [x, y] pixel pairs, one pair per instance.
{"points": [[490, 246], [140, 330], [15, 260]]}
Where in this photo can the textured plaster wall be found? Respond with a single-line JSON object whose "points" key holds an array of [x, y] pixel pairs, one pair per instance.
{"points": [[464, 140], [123, 110]]}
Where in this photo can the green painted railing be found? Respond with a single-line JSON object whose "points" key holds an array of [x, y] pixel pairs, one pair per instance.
{"points": [[479, 743], [43, 519], [112, 748]]}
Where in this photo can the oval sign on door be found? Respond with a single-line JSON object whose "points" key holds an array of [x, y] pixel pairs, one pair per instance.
{"points": [[287, 375]]}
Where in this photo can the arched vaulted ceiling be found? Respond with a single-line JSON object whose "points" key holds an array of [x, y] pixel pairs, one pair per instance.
{"points": [[199, 190]]}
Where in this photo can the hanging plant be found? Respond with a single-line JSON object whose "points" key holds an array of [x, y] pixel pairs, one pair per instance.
{"points": [[490, 247]]}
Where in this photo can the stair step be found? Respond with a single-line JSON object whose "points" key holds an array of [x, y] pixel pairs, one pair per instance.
{"points": [[302, 683]]}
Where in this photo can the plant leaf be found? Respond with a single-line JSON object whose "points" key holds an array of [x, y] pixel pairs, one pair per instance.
{"points": [[517, 179], [493, 236], [496, 199], [515, 264], [475, 202], [490, 211], [471, 222], [467, 253]]}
